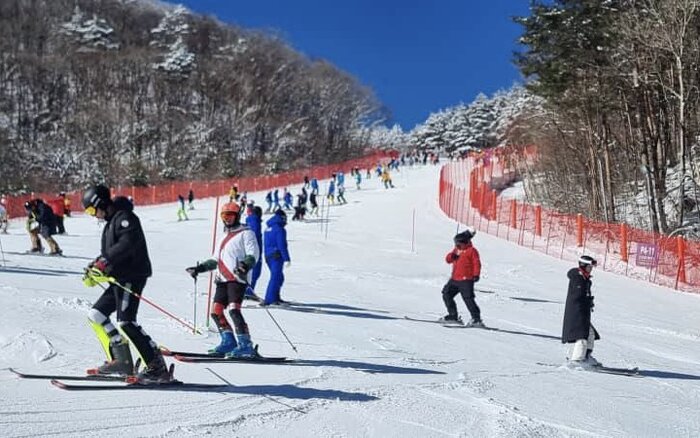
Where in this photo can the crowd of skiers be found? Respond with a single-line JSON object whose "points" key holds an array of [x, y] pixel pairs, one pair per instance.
{"points": [[123, 267]]}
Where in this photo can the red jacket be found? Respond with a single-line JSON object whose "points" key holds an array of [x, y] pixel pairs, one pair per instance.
{"points": [[466, 265], [57, 206]]}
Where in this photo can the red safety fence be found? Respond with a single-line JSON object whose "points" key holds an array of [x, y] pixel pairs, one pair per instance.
{"points": [[469, 194], [164, 193]]}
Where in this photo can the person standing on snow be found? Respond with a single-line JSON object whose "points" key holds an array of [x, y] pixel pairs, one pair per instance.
{"points": [[577, 328], [268, 199], [331, 191], [276, 200], [276, 256], [341, 195], [466, 268], [314, 204], [358, 179], [235, 256], [3, 217], [181, 213], [41, 221], [254, 221], [190, 199], [123, 258], [288, 199], [314, 186]]}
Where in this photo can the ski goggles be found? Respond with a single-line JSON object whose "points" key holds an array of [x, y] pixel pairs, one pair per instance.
{"points": [[91, 211], [228, 216]]}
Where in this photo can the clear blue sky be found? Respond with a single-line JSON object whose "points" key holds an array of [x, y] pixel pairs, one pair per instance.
{"points": [[418, 56]]}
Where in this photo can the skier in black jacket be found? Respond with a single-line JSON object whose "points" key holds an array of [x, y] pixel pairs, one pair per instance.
{"points": [[577, 329], [124, 257]]}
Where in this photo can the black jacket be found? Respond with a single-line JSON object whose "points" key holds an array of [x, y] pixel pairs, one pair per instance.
{"points": [[46, 219], [124, 244], [577, 313]]}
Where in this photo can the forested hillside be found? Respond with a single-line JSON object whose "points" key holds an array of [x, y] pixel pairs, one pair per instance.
{"points": [[137, 92]]}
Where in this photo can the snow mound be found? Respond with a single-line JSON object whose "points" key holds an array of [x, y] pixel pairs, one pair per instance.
{"points": [[27, 343]]}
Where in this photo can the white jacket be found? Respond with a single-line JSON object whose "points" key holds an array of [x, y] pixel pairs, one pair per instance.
{"points": [[232, 248]]}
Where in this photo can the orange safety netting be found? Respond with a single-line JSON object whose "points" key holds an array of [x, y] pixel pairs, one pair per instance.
{"points": [[164, 193], [469, 194]]}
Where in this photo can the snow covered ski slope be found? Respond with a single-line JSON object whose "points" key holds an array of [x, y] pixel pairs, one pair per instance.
{"points": [[362, 369]]}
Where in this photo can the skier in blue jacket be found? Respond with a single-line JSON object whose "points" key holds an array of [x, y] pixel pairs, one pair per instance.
{"points": [[254, 222], [331, 191], [314, 186], [276, 256]]}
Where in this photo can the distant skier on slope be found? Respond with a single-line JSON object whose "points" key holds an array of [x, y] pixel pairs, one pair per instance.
{"points": [[466, 268], [577, 328], [124, 257], [235, 256], [41, 221]]}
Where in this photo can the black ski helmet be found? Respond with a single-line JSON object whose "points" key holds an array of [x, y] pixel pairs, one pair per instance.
{"points": [[97, 196], [465, 236], [584, 261]]}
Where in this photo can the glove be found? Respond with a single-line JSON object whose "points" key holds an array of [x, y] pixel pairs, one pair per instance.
{"points": [[33, 225], [287, 264], [592, 303], [100, 264], [454, 256], [195, 270], [93, 276], [241, 269], [476, 279]]}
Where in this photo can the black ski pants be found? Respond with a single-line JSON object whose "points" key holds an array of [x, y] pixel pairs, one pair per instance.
{"points": [[464, 288], [115, 299]]}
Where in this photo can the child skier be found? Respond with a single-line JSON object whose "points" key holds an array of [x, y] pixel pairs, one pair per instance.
{"points": [[236, 254], [466, 268], [577, 328]]}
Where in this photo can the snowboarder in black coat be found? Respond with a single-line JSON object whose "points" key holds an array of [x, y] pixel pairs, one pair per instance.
{"points": [[577, 329]]}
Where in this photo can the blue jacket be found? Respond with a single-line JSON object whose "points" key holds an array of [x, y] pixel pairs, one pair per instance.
{"points": [[276, 239], [254, 222], [331, 188]]}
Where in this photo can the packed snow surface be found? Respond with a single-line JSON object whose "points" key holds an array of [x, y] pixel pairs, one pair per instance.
{"points": [[361, 368]]}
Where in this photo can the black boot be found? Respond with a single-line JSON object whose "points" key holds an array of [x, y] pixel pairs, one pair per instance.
{"points": [[121, 363], [156, 371]]}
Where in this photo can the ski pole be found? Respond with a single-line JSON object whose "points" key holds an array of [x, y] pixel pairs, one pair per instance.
{"points": [[4, 263], [283, 333], [147, 301], [194, 310], [213, 247]]}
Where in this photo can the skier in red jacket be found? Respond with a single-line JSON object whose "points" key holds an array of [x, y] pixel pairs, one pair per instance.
{"points": [[466, 268]]}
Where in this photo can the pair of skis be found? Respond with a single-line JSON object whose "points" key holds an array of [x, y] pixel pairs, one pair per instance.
{"points": [[448, 324], [112, 382], [121, 382], [629, 372], [192, 357]]}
